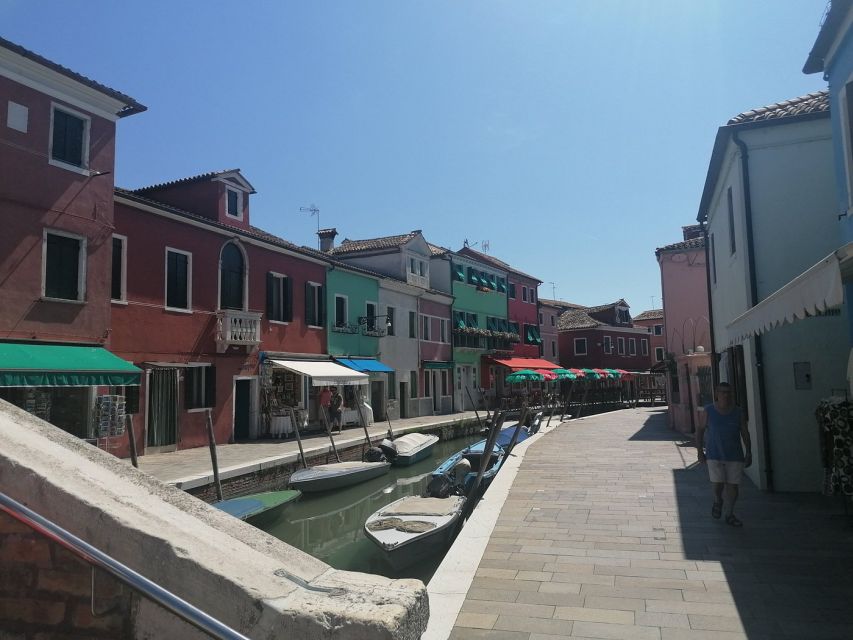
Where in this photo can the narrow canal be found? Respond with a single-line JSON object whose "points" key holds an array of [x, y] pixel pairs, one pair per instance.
{"points": [[329, 525]]}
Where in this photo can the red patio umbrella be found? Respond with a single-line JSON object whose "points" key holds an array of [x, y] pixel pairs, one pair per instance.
{"points": [[548, 375]]}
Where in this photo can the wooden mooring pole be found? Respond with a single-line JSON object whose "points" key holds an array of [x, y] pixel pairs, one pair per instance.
{"points": [[212, 443], [131, 440]]}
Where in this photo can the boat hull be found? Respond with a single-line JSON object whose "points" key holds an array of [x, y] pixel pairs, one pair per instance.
{"points": [[331, 477], [416, 456]]}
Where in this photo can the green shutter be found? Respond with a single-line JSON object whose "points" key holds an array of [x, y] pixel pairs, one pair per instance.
{"points": [[288, 300], [271, 297], [309, 303], [210, 386]]}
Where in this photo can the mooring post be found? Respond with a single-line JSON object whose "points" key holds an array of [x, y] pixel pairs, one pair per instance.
{"points": [[131, 439], [212, 442]]}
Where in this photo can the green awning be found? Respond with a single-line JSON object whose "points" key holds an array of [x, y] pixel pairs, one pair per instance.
{"points": [[436, 364], [48, 365]]}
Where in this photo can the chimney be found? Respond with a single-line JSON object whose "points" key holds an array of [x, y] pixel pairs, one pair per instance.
{"points": [[327, 239], [691, 231]]}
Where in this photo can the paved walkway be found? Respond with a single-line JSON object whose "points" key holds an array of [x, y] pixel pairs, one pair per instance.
{"points": [[191, 468], [606, 533]]}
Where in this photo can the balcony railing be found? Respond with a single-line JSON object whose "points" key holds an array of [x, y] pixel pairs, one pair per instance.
{"points": [[416, 280], [345, 327], [240, 328]]}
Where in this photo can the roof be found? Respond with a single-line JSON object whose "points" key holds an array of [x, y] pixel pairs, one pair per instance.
{"points": [[833, 19], [694, 243], [495, 262], [560, 304], [651, 314], [131, 106], [202, 177], [817, 102], [348, 247], [603, 307], [436, 250], [577, 319]]}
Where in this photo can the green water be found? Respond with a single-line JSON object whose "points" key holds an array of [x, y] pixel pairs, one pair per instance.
{"points": [[329, 525]]}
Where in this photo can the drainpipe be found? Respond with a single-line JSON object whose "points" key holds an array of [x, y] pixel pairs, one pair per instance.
{"points": [[753, 292], [715, 363]]}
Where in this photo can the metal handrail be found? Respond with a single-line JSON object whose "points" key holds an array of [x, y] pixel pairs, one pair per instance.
{"points": [[166, 599]]}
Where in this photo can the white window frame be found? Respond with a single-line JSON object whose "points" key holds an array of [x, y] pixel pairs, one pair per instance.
{"points": [[523, 293], [553, 320], [553, 348], [531, 295], [204, 407], [585, 347], [632, 346], [245, 255], [87, 127], [658, 329], [281, 278], [239, 193], [607, 344], [659, 350], [425, 327], [123, 298], [317, 303], [81, 265], [644, 346], [345, 298], [620, 346], [367, 315], [392, 331], [189, 255], [442, 325]]}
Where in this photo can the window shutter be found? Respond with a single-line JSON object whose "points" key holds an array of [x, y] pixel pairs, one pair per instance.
{"points": [[288, 300], [271, 297], [309, 295], [321, 320], [210, 386], [189, 373]]}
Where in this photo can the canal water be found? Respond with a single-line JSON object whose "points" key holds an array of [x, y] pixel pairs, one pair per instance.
{"points": [[330, 526]]}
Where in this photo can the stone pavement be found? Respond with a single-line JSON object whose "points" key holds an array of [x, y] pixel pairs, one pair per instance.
{"points": [[189, 468], [606, 533]]}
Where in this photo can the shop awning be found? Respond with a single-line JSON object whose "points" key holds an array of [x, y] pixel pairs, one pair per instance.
{"points": [[48, 365], [437, 364], [323, 373], [526, 363], [815, 290], [365, 365]]}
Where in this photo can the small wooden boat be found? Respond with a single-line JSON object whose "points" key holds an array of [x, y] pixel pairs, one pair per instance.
{"points": [[409, 449], [473, 456], [254, 505], [327, 477]]}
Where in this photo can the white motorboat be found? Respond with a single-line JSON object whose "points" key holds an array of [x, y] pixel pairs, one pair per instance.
{"points": [[326, 477], [409, 449]]}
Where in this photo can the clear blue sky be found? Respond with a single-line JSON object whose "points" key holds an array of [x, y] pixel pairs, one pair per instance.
{"points": [[573, 136]]}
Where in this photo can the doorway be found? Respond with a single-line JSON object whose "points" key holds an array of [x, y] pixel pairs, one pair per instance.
{"points": [[162, 423], [436, 391], [404, 399], [242, 409], [377, 397]]}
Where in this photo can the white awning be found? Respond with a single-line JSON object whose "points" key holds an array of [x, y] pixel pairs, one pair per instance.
{"points": [[323, 373], [815, 290]]}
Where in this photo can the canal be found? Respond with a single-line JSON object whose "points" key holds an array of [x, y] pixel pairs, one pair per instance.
{"points": [[329, 525]]}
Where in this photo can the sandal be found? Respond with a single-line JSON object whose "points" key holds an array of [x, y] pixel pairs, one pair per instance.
{"points": [[733, 521], [717, 510]]}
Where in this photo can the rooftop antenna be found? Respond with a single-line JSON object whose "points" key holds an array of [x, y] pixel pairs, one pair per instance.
{"points": [[553, 290], [465, 243], [653, 301], [314, 211], [484, 245]]}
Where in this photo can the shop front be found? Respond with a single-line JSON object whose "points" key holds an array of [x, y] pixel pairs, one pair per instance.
{"points": [[86, 391], [511, 395], [376, 405]]}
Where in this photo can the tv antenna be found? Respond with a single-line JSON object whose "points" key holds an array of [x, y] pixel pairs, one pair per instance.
{"points": [[314, 211], [465, 243], [553, 290], [484, 245]]}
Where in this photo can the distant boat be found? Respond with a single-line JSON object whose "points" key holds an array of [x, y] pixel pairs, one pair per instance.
{"points": [[414, 527], [409, 449], [249, 506], [327, 477]]}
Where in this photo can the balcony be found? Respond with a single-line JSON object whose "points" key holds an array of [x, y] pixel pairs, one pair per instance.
{"points": [[416, 280], [237, 328], [345, 327]]}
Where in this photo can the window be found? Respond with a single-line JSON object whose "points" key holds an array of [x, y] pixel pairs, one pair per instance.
{"points": [[178, 279], [541, 318], [623, 316], [371, 316], [423, 267], [413, 324], [620, 346], [713, 262], [64, 266], [458, 272], [314, 305], [234, 203], [658, 354], [553, 348], [413, 266], [608, 344], [390, 312], [632, 346], [580, 346], [644, 346], [524, 294], [442, 324], [200, 387], [69, 139], [532, 295], [341, 312], [473, 277], [232, 273], [501, 285], [118, 284], [531, 334], [445, 382], [658, 329], [427, 376], [512, 290], [553, 321], [413, 384], [279, 298], [425, 322], [392, 385], [732, 244]]}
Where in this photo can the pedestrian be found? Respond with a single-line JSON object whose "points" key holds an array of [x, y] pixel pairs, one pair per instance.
{"points": [[336, 405], [325, 400], [722, 451]]}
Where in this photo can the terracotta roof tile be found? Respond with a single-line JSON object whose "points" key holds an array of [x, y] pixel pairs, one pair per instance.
{"points": [[651, 314], [495, 262], [436, 250], [577, 319], [817, 102], [131, 105], [693, 243], [604, 307], [199, 178], [560, 304], [373, 244]]}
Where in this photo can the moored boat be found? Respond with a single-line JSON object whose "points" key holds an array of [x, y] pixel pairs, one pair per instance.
{"points": [[409, 449], [256, 504], [327, 477]]}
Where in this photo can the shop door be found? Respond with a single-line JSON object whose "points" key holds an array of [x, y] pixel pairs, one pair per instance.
{"points": [[377, 400], [163, 409], [242, 408]]}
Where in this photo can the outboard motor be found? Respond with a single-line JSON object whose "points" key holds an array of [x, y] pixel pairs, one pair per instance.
{"points": [[439, 486], [389, 449], [374, 454]]}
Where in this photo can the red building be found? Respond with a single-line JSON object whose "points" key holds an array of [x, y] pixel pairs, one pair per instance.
{"points": [[652, 320], [205, 294], [57, 157], [549, 312], [603, 337]]}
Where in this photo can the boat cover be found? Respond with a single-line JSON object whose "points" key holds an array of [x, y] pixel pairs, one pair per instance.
{"points": [[412, 441], [415, 506]]}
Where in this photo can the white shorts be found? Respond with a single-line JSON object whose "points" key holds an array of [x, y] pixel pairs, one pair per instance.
{"points": [[725, 471]]}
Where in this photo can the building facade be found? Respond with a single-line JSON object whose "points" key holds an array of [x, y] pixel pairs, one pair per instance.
{"points": [[603, 337]]}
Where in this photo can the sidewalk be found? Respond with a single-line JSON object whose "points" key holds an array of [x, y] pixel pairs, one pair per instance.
{"points": [[190, 468], [606, 533]]}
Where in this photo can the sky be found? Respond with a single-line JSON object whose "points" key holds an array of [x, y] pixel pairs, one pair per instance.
{"points": [[573, 137]]}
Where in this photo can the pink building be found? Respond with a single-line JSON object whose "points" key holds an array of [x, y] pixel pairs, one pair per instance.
{"points": [[684, 286]]}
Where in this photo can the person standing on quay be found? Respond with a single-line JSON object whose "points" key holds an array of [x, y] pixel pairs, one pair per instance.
{"points": [[723, 453]]}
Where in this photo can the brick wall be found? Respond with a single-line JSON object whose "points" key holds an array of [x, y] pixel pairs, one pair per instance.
{"points": [[45, 591]]}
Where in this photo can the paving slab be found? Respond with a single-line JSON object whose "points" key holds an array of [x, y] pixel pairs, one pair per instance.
{"points": [[606, 527]]}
